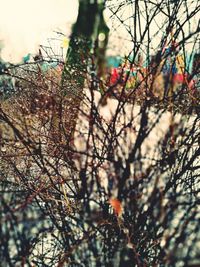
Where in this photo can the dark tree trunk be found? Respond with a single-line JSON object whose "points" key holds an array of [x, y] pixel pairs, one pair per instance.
{"points": [[90, 23]]}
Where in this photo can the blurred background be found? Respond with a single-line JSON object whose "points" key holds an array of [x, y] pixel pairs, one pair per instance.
{"points": [[24, 25]]}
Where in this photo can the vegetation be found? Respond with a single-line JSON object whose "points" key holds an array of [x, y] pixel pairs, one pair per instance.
{"points": [[103, 173]]}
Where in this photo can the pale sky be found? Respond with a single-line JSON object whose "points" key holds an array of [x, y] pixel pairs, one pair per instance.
{"points": [[24, 24]]}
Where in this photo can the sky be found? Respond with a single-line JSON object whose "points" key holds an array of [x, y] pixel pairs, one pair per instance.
{"points": [[24, 24]]}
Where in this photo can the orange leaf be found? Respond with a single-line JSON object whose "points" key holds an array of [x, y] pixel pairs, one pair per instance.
{"points": [[116, 205]]}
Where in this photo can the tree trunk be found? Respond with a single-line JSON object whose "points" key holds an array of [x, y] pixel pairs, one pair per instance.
{"points": [[85, 32]]}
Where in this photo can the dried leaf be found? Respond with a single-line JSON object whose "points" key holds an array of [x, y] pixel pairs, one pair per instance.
{"points": [[116, 205]]}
